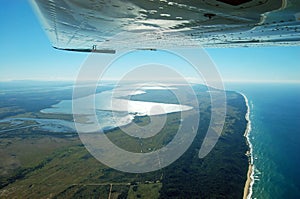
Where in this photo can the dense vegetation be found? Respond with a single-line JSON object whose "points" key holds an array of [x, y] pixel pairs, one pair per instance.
{"points": [[222, 173]]}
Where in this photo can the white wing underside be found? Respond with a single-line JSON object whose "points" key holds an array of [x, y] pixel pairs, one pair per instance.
{"points": [[107, 26]]}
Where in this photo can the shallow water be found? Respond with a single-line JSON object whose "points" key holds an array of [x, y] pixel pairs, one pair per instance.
{"points": [[114, 109]]}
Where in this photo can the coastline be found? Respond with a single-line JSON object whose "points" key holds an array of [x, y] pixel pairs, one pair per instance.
{"points": [[250, 174]]}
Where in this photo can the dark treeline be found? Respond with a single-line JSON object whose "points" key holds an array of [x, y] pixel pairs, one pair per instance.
{"points": [[223, 172]]}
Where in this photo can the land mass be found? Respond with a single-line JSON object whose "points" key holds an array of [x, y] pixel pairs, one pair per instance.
{"points": [[38, 163]]}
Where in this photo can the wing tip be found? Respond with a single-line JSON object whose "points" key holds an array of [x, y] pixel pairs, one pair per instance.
{"points": [[87, 50]]}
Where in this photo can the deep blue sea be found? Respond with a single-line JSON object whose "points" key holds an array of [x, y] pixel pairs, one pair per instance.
{"points": [[275, 136]]}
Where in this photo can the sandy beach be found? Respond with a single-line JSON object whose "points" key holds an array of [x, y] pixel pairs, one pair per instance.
{"points": [[250, 173], [248, 182]]}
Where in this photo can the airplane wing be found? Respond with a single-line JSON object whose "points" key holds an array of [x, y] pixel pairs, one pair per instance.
{"points": [[106, 26]]}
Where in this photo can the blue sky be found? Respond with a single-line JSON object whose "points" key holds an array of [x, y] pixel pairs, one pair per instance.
{"points": [[26, 53]]}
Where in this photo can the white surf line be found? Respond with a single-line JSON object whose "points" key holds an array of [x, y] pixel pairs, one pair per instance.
{"points": [[250, 175]]}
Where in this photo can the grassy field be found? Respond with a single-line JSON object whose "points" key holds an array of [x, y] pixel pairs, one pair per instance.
{"points": [[135, 144], [63, 168]]}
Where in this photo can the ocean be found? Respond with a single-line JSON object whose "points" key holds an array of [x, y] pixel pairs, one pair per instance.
{"points": [[275, 137]]}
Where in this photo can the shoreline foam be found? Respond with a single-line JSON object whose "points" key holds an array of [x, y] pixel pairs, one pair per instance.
{"points": [[250, 174]]}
